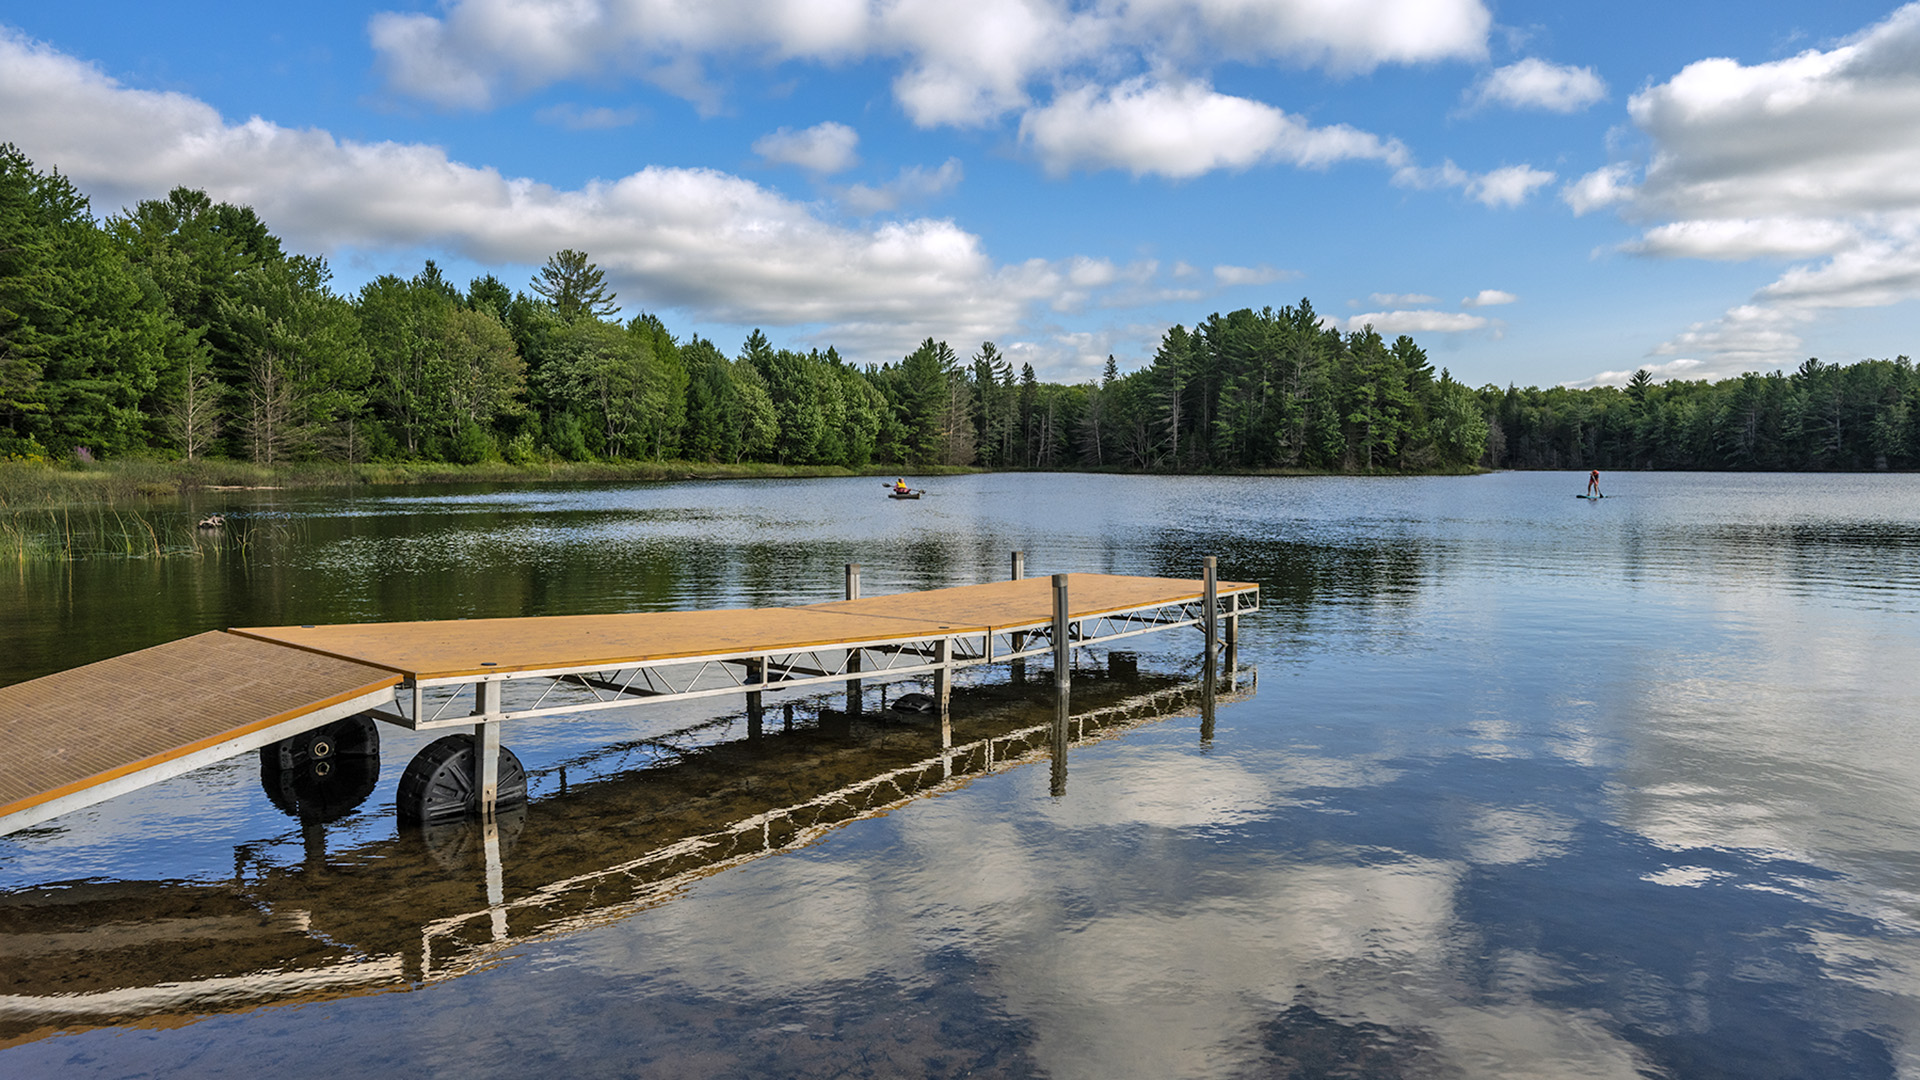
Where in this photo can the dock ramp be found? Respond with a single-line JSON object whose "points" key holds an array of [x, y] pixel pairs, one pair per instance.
{"points": [[80, 737]]}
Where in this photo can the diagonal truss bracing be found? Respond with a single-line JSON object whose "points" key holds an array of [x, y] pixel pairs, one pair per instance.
{"points": [[452, 701]]}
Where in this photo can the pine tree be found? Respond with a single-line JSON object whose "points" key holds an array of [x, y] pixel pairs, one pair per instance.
{"points": [[574, 287]]}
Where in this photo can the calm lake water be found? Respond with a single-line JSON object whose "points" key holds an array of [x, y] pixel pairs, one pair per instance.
{"points": [[1506, 784]]}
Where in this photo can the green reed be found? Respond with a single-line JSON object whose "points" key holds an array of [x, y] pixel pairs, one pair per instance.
{"points": [[71, 533]]}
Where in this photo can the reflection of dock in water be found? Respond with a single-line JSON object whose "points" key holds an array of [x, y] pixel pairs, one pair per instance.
{"points": [[443, 900]]}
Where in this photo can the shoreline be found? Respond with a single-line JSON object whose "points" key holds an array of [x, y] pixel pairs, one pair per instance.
{"points": [[36, 484]]}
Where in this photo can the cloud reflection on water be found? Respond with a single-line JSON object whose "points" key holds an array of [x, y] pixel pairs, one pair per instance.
{"points": [[1128, 939]]}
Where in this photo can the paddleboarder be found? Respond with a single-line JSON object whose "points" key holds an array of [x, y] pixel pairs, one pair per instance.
{"points": [[1593, 484]]}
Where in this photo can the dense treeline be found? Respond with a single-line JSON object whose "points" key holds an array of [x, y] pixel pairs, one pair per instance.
{"points": [[1822, 416], [183, 328]]}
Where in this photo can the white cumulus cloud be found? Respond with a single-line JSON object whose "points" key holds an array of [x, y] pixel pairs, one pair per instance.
{"points": [[715, 245], [1874, 273], [1811, 157], [1747, 238], [1489, 298], [959, 64], [915, 183], [1611, 185], [1536, 84], [1507, 186], [1835, 132], [1685, 368], [1185, 130], [1263, 274], [1747, 337], [824, 148], [1391, 323]]}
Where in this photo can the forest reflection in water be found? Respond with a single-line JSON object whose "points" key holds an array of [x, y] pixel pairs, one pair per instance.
{"points": [[1531, 787]]}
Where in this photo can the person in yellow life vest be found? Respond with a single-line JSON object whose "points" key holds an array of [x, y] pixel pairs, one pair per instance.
{"points": [[900, 486]]}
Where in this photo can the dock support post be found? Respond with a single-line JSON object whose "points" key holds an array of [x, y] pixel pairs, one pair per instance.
{"points": [[756, 676], [1062, 684], [853, 657], [1210, 605], [1233, 634], [486, 747], [1062, 646], [1018, 640], [943, 684]]}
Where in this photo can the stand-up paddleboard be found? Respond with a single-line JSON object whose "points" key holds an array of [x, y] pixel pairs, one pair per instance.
{"points": [[1589, 497]]}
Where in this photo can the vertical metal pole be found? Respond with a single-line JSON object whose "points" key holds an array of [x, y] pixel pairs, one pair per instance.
{"points": [[756, 676], [1062, 647], [1210, 605], [1233, 635], [486, 747], [1016, 639], [943, 685], [1062, 683], [853, 655]]}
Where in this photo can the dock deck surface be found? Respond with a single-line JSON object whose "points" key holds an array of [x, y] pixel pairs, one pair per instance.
{"points": [[163, 710], [473, 647], [83, 728]]}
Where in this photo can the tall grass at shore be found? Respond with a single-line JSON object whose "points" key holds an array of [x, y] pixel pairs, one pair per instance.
{"points": [[98, 531], [141, 509], [37, 484]]}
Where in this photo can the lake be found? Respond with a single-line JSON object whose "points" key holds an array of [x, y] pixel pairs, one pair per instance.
{"points": [[1505, 783]]}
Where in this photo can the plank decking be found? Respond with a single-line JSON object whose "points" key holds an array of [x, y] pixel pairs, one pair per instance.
{"points": [[80, 736], [164, 708], [474, 647]]}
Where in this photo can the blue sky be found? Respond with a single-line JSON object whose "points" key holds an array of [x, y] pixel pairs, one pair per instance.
{"points": [[1539, 193]]}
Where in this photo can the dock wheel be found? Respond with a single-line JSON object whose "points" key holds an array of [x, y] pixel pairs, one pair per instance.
{"points": [[438, 785], [323, 774], [322, 791], [319, 750]]}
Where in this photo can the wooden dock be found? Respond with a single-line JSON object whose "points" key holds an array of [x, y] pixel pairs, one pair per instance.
{"points": [[80, 737]]}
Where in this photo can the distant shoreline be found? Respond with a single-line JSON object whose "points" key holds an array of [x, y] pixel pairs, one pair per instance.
{"points": [[24, 484]]}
